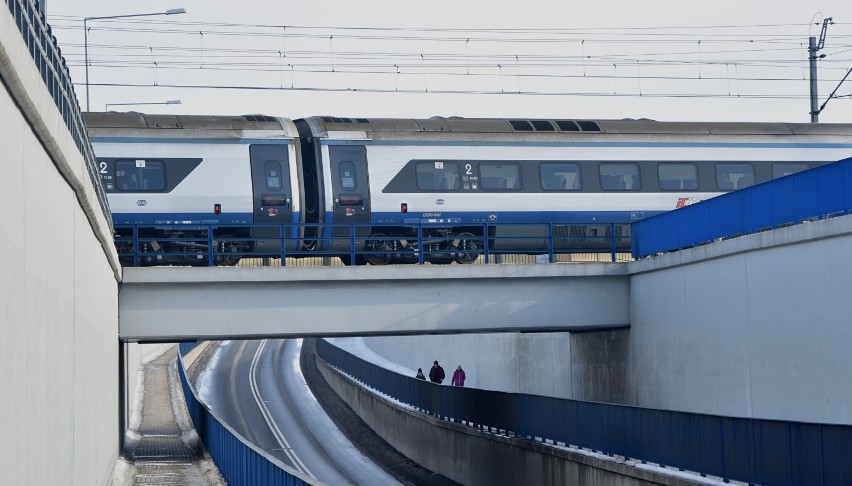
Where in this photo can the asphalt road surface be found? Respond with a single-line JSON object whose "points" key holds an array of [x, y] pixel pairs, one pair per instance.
{"points": [[258, 388]]}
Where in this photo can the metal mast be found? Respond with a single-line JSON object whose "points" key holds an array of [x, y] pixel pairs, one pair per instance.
{"points": [[813, 48]]}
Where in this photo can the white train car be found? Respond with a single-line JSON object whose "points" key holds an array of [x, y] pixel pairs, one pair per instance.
{"points": [[524, 180], [186, 181], [182, 188]]}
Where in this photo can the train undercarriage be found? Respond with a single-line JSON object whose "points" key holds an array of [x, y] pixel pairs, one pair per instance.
{"points": [[384, 246], [181, 247], [438, 246], [378, 245]]}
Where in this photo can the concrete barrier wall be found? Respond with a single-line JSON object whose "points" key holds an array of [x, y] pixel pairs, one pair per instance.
{"points": [[525, 363], [586, 366], [58, 293], [469, 456], [727, 329]]}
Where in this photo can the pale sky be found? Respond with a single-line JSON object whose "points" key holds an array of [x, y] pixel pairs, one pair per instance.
{"points": [[603, 56]]}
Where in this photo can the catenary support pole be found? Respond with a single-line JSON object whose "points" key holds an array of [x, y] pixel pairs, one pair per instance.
{"points": [[812, 58]]}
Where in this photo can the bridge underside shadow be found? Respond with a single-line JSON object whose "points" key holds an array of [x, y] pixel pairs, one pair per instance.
{"points": [[176, 303]]}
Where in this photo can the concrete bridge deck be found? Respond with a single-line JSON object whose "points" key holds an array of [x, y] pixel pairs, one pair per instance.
{"points": [[175, 303]]}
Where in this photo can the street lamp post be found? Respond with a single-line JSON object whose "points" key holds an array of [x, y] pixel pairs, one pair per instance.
{"points": [[173, 11], [170, 102]]}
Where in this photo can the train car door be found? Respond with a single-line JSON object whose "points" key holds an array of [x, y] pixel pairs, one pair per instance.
{"points": [[272, 194], [351, 193]]}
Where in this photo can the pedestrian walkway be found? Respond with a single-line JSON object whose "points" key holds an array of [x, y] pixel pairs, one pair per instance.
{"points": [[161, 447]]}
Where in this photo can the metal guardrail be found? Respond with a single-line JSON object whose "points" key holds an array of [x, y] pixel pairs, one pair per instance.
{"points": [[47, 56], [238, 461], [751, 450], [208, 244], [813, 194]]}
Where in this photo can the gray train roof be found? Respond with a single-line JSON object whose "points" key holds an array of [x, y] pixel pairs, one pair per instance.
{"points": [[136, 124], [378, 127]]}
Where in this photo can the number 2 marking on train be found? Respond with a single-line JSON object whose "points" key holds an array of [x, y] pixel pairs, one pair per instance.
{"points": [[103, 167], [467, 169]]}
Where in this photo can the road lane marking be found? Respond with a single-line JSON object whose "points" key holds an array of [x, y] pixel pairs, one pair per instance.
{"points": [[267, 416]]}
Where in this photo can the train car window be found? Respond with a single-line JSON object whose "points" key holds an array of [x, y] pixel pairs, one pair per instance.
{"points": [[620, 176], [347, 175], [678, 176], [499, 176], [140, 175], [782, 169], [437, 176], [521, 125], [733, 176], [542, 126], [567, 126], [589, 126], [560, 176], [272, 169]]}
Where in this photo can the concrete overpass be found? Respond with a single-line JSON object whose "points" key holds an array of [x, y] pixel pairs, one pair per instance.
{"points": [[177, 303]]}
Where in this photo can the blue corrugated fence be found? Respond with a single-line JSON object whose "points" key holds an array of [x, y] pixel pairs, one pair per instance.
{"points": [[816, 193], [238, 461]]}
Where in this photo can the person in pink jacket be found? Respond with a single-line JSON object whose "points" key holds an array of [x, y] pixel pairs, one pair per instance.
{"points": [[458, 376]]}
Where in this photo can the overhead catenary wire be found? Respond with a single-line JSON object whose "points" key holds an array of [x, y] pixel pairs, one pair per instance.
{"points": [[370, 68], [451, 91], [654, 52]]}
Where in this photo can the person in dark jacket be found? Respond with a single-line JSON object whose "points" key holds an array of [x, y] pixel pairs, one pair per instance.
{"points": [[436, 374], [419, 375], [458, 377]]}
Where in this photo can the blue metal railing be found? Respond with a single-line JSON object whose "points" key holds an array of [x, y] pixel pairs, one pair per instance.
{"points": [[214, 244], [743, 449], [816, 193], [238, 461], [51, 65]]}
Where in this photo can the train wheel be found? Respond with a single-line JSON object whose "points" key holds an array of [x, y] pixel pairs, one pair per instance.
{"points": [[221, 257], [467, 248], [378, 250]]}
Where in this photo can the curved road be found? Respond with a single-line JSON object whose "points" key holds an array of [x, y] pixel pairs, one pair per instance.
{"points": [[257, 387]]}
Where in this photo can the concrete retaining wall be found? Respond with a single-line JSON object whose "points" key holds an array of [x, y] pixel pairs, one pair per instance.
{"points": [[58, 293], [587, 366], [469, 456], [725, 330]]}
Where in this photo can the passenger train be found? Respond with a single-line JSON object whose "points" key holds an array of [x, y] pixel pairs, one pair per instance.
{"points": [[383, 191]]}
